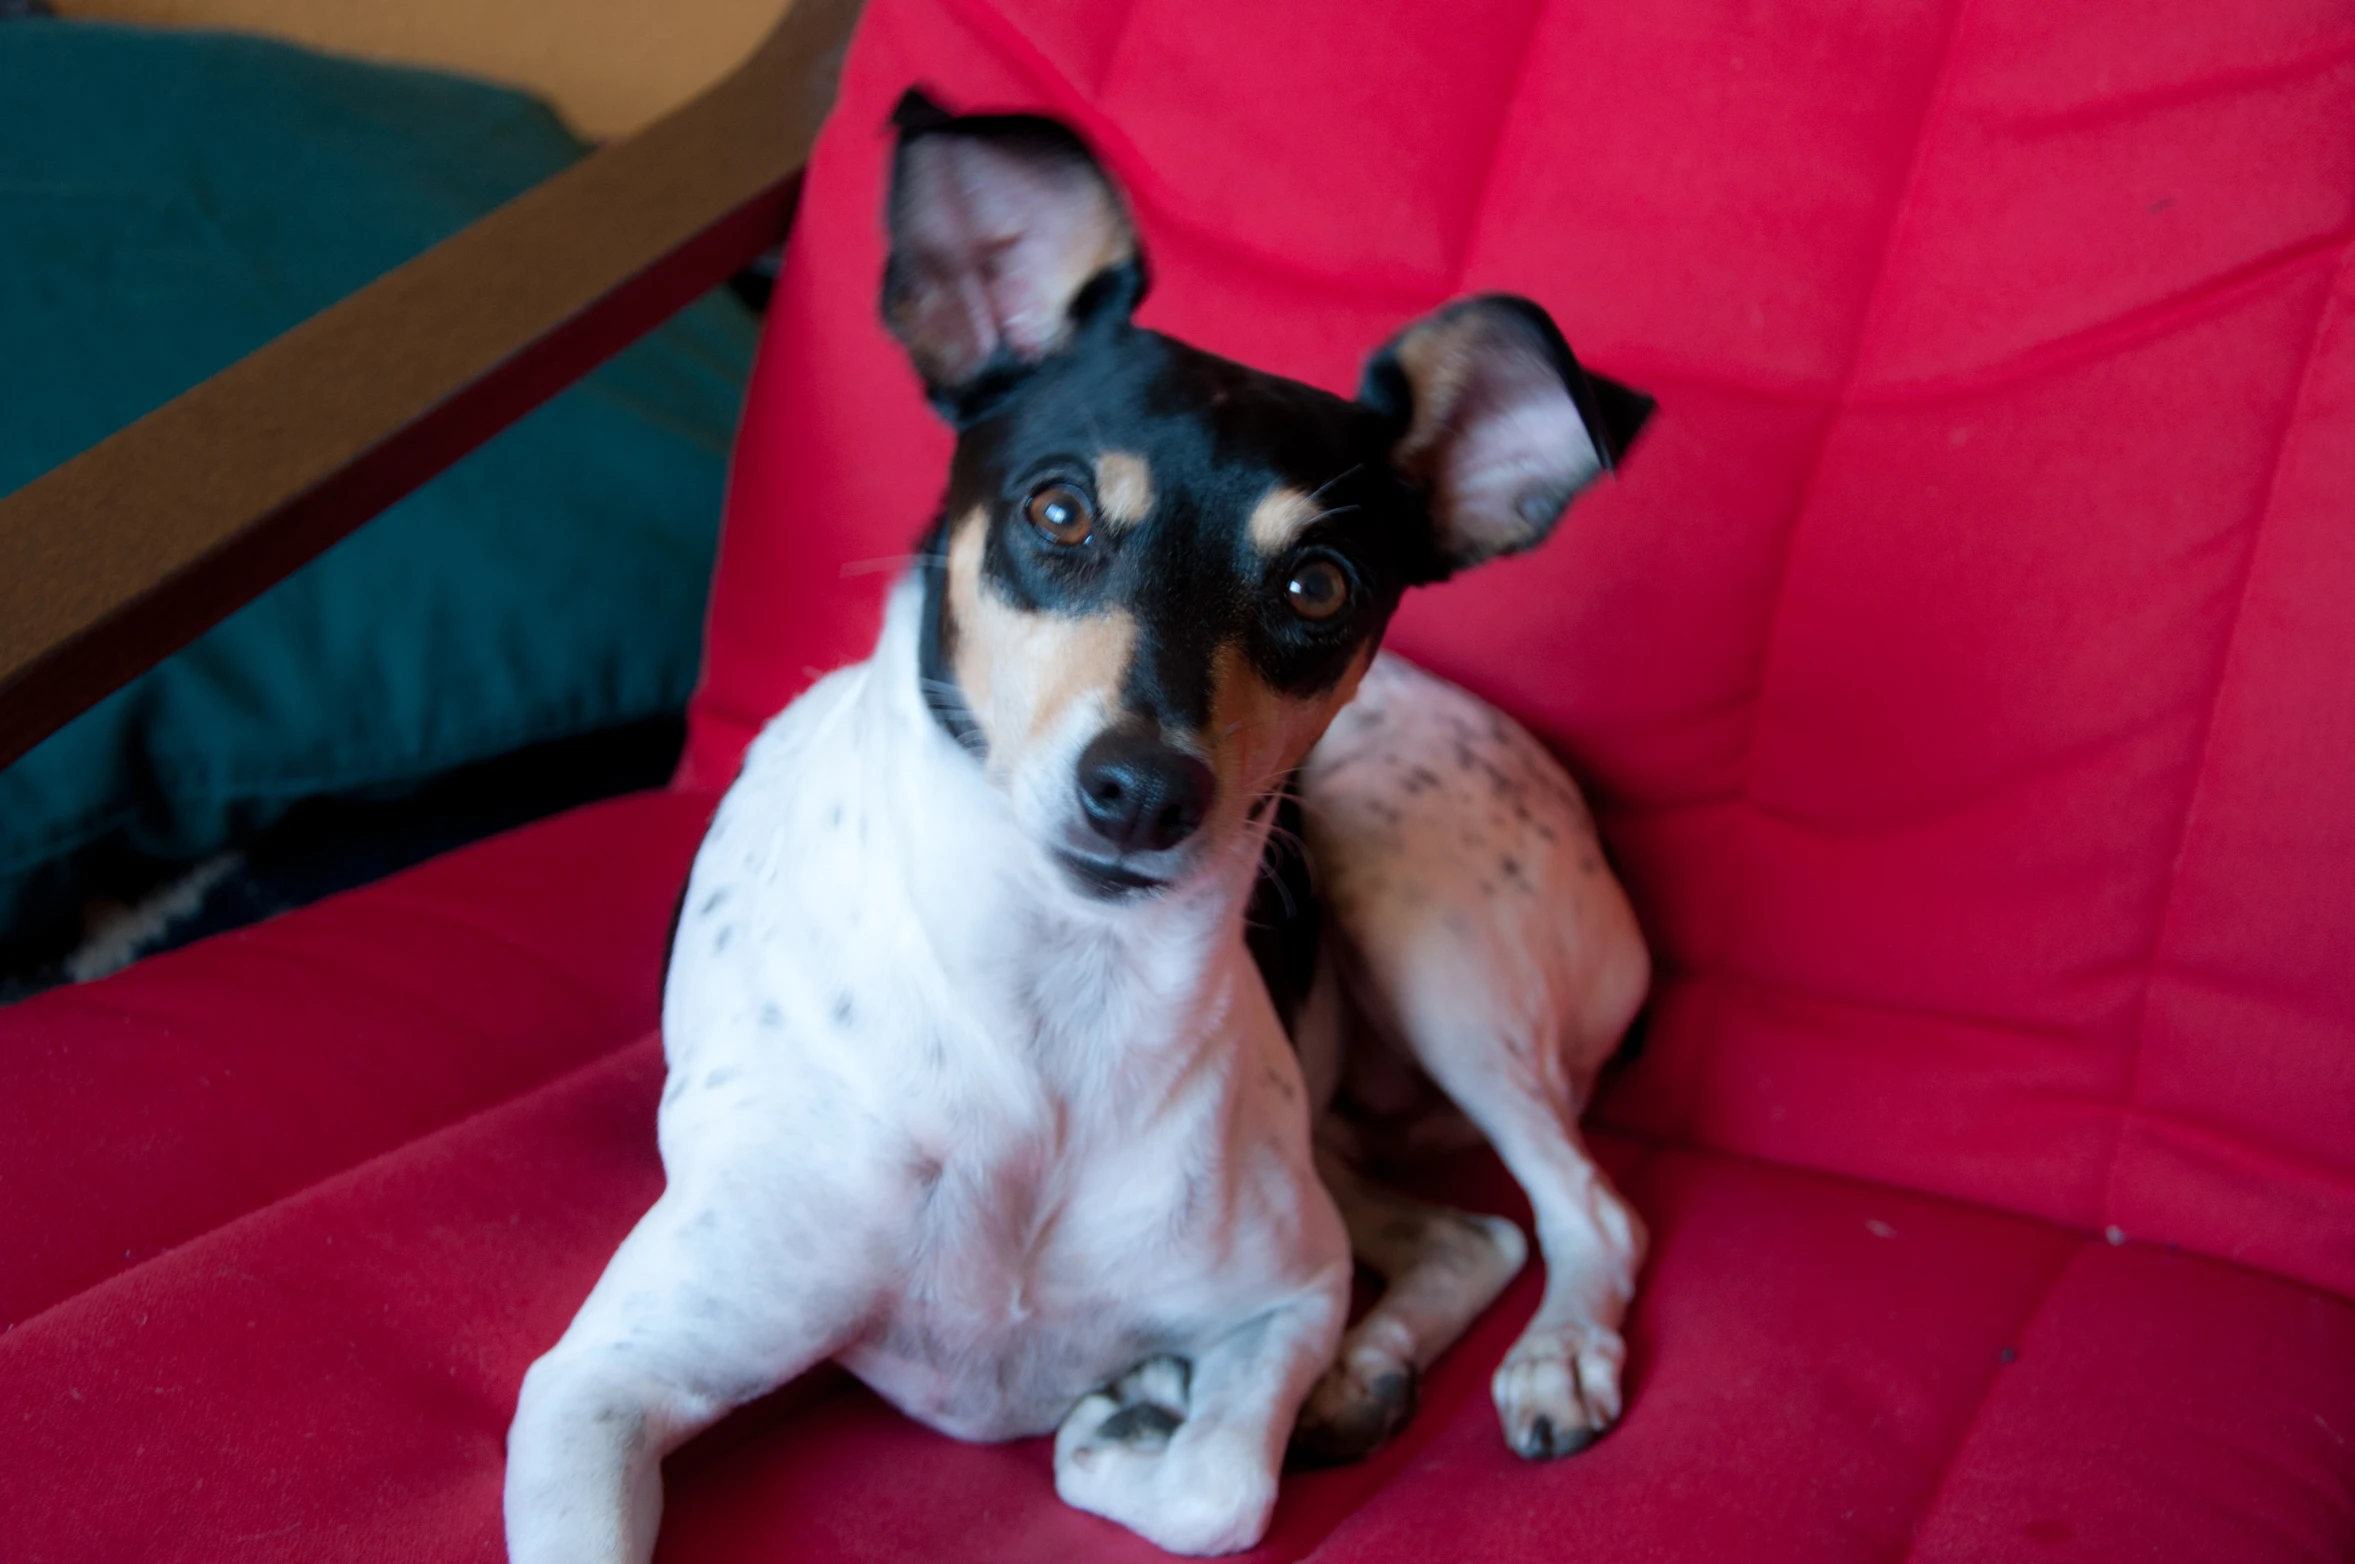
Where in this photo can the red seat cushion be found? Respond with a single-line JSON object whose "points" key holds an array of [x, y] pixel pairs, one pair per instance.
{"points": [[1821, 1371], [199, 1086]]}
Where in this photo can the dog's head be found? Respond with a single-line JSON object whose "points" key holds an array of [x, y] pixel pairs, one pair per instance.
{"points": [[1158, 573]]}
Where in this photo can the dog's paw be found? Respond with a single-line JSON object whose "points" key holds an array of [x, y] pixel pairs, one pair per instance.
{"points": [[1121, 1454], [1200, 1499], [1149, 1404], [1557, 1391], [1136, 1413], [1354, 1409]]}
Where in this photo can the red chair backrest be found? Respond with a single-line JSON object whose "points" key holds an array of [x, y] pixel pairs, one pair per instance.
{"points": [[1963, 666]]}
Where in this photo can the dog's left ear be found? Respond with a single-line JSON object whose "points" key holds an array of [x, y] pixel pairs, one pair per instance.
{"points": [[1007, 241], [1498, 426]]}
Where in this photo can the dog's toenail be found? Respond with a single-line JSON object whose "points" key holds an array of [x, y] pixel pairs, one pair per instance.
{"points": [[1541, 1436]]}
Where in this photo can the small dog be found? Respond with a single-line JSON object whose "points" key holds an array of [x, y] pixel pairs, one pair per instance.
{"points": [[1016, 1062]]}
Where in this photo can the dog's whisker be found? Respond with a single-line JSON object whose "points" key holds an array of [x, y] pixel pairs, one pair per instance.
{"points": [[1327, 515], [1318, 492], [884, 563]]}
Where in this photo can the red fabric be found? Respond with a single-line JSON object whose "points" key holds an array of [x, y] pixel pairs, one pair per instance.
{"points": [[199, 1086], [1959, 664], [1961, 667], [1818, 1374]]}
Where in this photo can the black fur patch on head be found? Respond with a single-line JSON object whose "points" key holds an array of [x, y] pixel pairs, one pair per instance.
{"points": [[1218, 440], [1206, 555]]}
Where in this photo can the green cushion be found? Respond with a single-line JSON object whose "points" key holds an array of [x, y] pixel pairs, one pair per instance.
{"points": [[170, 201]]}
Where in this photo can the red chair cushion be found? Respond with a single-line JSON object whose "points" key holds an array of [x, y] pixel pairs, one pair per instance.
{"points": [[1960, 661], [1821, 1371], [199, 1086]]}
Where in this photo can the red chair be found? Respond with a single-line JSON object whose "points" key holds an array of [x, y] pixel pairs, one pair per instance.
{"points": [[1962, 668]]}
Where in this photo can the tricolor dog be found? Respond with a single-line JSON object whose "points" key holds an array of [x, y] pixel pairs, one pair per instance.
{"points": [[1041, 974]]}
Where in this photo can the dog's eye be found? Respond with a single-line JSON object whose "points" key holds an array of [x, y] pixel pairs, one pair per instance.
{"points": [[1317, 590], [1062, 513]]}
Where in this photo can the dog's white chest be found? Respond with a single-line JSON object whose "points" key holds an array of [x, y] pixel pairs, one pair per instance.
{"points": [[1034, 1276], [1066, 1146], [1059, 1238]]}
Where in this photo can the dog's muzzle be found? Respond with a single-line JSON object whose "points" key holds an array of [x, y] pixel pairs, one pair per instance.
{"points": [[1141, 799], [1140, 795]]}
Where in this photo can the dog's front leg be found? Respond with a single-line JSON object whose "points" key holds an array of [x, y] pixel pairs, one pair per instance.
{"points": [[696, 1314], [1199, 1476]]}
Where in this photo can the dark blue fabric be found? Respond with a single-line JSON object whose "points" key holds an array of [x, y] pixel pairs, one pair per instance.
{"points": [[168, 202]]}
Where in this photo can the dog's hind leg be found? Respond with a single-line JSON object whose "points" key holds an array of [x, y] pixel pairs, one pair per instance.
{"points": [[689, 1321], [1558, 1388], [1441, 1269], [1479, 931], [1497, 1056]]}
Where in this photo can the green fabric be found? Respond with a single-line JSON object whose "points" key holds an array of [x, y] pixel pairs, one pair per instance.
{"points": [[170, 201]]}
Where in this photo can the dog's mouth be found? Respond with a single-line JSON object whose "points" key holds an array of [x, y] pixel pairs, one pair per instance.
{"points": [[1104, 879]]}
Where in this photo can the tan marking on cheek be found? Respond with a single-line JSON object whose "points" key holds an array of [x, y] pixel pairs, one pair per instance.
{"points": [[1077, 660], [1257, 732], [1124, 487], [1343, 692], [1021, 671], [1277, 520], [968, 629]]}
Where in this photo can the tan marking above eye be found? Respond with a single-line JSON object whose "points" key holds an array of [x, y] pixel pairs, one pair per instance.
{"points": [[1124, 483], [1279, 518]]}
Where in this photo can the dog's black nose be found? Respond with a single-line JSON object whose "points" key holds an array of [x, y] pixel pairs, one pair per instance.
{"points": [[1141, 795]]}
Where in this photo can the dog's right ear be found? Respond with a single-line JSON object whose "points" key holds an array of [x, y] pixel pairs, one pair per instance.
{"points": [[1496, 424], [1007, 241]]}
